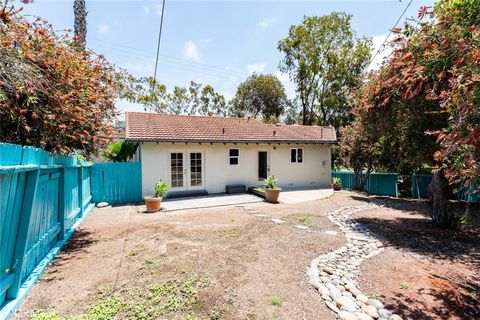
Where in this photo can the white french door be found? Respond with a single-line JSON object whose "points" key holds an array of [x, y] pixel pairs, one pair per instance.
{"points": [[186, 170]]}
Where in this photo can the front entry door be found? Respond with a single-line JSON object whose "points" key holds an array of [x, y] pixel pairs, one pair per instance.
{"points": [[262, 165], [186, 170]]}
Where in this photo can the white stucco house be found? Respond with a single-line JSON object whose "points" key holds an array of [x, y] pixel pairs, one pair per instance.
{"points": [[201, 153]]}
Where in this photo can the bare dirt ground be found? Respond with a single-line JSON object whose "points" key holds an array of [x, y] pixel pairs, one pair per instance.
{"points": [[224, 263], [216, 263], [426, 272]]}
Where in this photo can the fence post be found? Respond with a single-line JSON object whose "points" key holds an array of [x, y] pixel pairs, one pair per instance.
{"points": [[80, 190], [23, 228], [61, 204]]}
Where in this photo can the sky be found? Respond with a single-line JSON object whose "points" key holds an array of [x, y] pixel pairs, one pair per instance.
{"points": [[211, 42]]}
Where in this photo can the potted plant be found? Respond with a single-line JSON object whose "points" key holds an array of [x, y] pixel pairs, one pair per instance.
{"points": [[272, 191], [337, 184], [154, 203]]}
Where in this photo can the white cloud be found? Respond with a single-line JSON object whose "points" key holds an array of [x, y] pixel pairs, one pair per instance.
{"points": [[190, 51], [146, 9], [256, 67], [384, 52], [265, 23], [205, 40], [103, 28]]}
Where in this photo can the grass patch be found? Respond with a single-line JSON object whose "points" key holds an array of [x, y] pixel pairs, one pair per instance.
{"points": [[305, 219], [232, 220], [276, 301], [230, 234], [169, 299], [403, 285]]}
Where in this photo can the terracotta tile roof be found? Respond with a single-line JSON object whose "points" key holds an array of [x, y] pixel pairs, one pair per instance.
{"points": [[142, 126]]}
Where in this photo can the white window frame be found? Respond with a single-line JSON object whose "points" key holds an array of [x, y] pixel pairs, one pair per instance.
{"points": [[234, 157], [296, 155]]}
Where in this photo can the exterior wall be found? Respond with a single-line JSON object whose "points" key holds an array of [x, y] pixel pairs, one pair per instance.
{"points": [[315, 171]]}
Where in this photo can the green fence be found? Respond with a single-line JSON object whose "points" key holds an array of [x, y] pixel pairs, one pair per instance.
{"points": [[382, 184], [42, 201], [420, 183]]}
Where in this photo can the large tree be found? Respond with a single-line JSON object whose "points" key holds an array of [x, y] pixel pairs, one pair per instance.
{"points": [[260, 96], [426, 99], [51, 95], [325, 60]]}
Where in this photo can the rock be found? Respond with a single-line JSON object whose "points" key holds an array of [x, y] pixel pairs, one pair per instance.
{"points": [[355, 292], [332, 306], [301, 227], [346, 301], [371, 311], [347, 294], [363, 316], [345, 315], [330, 286], [278, 221], [323, 290], [348, 309], [102, 204], [395, 317], [328, 270], [374, 302], [384, 313], [335, 293], [361, 297], [325, 279], [326, 298]]}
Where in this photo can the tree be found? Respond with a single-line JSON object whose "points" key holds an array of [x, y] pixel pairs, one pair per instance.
{"points": [[195, 100], [261, 96], [80, 23], [51, 95], [429, 91], [325, 60]]}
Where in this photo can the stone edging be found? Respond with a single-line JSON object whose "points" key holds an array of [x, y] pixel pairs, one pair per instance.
{"points": [[332, 273]]}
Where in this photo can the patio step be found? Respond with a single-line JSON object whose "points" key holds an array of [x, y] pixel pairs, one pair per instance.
{"points": [[185, 194]]}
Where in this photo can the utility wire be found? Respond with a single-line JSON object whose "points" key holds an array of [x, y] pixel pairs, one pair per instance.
{"points": [[391, 30], [158, 52]]}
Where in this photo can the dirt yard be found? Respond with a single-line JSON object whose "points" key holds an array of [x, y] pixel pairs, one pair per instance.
{"points": [[425, 272], [226, 263]]}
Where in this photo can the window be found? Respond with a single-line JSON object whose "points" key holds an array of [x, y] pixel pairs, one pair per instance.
{"points": [[296, 155], [234, 155]]}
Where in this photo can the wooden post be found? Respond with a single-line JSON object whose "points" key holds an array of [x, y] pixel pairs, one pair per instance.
{"points": [[23, 228], [61, 204], [80, 190]]}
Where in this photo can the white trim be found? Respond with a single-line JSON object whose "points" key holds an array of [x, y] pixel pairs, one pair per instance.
{"points": [[296, 155]]}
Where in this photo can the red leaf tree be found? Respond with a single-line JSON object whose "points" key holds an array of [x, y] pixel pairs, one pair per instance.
{"points": [[51, 95]]}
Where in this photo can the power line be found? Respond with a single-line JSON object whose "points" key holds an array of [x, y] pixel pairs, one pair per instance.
{"points": [[158, 52], [386, 38]]}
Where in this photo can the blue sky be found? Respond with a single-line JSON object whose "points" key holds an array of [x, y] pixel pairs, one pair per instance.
{"points": [[212, 42]]}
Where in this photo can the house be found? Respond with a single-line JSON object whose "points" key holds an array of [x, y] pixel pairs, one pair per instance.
{"points": [[201, 153]]}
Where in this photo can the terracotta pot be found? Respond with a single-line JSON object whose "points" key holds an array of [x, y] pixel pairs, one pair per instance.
{"points": [[337, 187], [153, 204], [271, 195]]}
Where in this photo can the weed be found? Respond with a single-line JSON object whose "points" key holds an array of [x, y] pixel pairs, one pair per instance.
{"points": [[46, 315], [276, 301], [215, 314], [305, 219], [374, 295], [230, 234], [232, 220], [403, 285]]}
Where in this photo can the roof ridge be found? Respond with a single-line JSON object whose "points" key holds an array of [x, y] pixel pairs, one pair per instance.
{"points": [[190, 115]]}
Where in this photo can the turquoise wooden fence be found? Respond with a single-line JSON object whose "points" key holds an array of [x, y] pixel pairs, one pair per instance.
{"points": [[379, 183], [117, 183], [420, 183], [42, 199]]}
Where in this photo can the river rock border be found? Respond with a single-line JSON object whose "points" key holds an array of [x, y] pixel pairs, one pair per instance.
{"points": [[332, 273]]}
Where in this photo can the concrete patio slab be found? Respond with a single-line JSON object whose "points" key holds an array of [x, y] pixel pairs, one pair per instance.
{"points": [[303, 195], [215, 200]]}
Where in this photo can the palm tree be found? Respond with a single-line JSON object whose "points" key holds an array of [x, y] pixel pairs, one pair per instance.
{"points": [[80, 23]]}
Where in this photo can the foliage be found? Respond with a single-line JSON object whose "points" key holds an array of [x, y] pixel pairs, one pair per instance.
{"points": [[51, 95], [260, 96], [194, 100], [325, 60], [160, 188], [336, 180], [120, 151], [422, 106], [276, 301], [271, 182]]}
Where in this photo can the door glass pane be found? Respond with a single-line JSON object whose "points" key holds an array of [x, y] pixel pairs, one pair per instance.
{"points": [[195, 169], [176, 168]]}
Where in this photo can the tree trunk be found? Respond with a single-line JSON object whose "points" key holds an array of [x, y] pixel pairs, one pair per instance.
{"points": [[438, 193], [80, 23]]}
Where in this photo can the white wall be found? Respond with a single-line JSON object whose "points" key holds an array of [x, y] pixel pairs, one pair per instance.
{"points": [[313, 172]]}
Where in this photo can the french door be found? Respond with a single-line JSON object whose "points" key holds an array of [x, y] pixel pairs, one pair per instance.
{"points": [[186, 170]]}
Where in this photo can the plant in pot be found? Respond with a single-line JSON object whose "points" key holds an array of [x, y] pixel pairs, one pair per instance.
{"points": [[154, 203], [272, 191], [337, 184]]}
